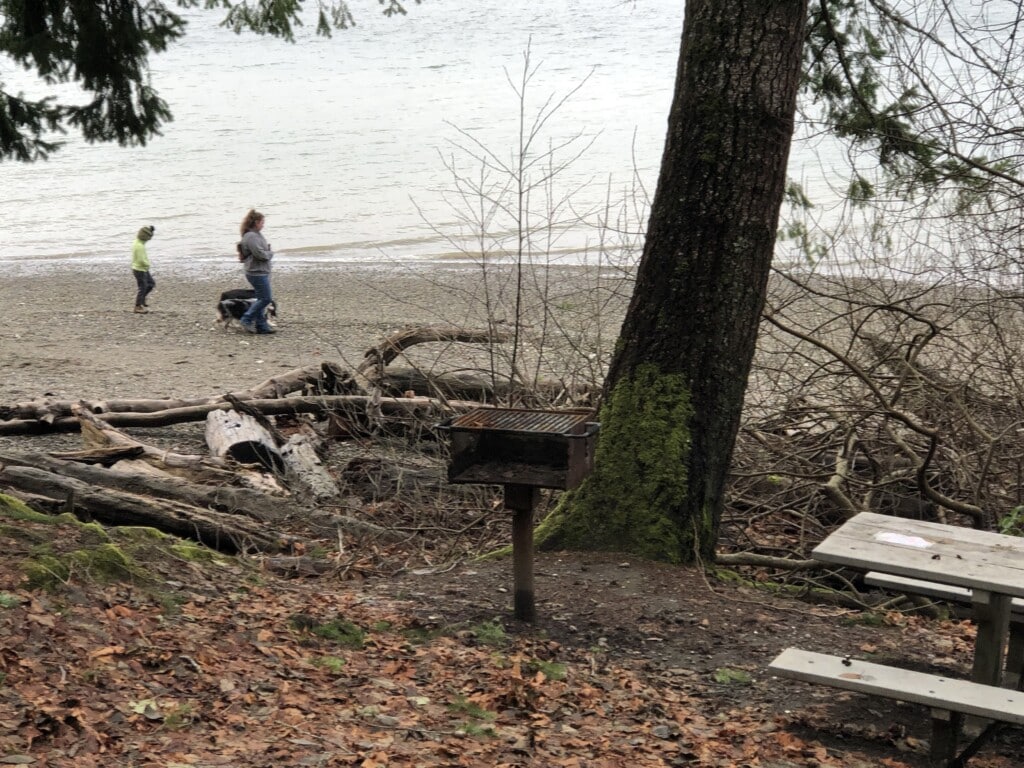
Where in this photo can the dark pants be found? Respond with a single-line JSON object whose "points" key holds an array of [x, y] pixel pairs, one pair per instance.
{"points": [[257, 313], [146, 284]]}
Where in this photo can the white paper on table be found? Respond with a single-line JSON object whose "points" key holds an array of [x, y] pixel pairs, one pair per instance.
{"points": [[906, 541]]}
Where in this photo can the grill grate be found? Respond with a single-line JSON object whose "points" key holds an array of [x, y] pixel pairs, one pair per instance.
{"points": [[523, 420]]}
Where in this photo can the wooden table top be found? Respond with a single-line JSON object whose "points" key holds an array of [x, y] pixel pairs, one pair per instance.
{"points": [[947, 554]]}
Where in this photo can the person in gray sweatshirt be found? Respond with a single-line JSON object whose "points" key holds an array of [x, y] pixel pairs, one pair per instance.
{"points": [[256, 256]]}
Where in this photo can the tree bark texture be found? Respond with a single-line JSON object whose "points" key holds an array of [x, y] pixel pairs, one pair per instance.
{"points": [[305, 472], [675, 388]]}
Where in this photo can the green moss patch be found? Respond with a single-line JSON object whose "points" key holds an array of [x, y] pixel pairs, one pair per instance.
{"points": [[15, 509], [338, 631], [633, 500], [55, 551], [102, 564], [196, 553]]}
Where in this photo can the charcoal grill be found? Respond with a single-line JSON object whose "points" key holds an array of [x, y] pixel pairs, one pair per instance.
{"points": [[524, 450]]}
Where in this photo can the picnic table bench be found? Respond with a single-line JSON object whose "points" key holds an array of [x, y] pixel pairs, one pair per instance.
{"points": [[948, 698], [977, 568]]}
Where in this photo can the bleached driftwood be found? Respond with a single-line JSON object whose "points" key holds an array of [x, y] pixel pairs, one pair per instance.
{"points": [[98, 435], [241, 437], [49, 411], [361, 389], [424, 408], [304, 468]]}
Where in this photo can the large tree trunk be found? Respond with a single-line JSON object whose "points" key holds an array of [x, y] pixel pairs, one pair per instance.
{"points": [[675, 388]]}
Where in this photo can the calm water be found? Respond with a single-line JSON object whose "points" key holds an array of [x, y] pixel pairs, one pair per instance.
{"points": [[356, 147], [344, 143]]}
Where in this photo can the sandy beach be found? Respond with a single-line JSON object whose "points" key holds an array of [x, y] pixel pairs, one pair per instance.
{"points": [[70, 332]]}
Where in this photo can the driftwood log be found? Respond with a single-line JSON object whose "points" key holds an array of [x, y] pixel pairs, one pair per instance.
{"points": [[244, 438], [118, 480], [227, 533], [241, 437], [427, 409], [124, 476], [327, 386], [470, 386], [382, 355], [100, 436], [305, 470], [51, 410]]}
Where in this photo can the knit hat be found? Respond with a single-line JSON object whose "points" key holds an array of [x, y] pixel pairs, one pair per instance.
{"points": [[146, 233]]}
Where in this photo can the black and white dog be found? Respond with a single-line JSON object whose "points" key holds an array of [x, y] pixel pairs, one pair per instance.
{"points": [[236, 302]]}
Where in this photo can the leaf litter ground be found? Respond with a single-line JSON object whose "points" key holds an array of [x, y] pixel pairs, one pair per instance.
{"points": [[173, 659]]}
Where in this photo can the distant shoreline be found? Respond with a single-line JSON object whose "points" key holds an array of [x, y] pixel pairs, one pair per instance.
{"points": [[286, 262]]}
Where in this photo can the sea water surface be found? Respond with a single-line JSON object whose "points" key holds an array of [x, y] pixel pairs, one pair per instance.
{"points": [[347, 144], [388, 143]]}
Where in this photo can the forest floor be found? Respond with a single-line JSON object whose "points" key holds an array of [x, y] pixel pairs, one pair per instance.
{"points": [[120, 648]]}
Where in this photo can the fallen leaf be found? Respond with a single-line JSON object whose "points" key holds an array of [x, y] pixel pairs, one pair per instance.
{"points": [[110, 650]]}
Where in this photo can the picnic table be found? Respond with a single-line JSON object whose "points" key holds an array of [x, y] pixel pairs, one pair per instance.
{"points": [[989, 565], [984, 569]]}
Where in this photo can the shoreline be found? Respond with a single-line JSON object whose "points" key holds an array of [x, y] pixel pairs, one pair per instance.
{"points": [[71, 333]]}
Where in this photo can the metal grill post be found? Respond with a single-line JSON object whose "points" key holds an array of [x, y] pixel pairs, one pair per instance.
{"points": [[522, 499]]}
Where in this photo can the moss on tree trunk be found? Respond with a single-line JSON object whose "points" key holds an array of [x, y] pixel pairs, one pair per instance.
{"points": [[640, 475]]}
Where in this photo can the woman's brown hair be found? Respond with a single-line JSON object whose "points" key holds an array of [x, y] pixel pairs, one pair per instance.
{"points": [[250, 220]]}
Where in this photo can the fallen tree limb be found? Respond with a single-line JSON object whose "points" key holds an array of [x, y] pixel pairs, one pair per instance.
{"points": [[50, 411], [426, 408], [229, 500], [247, 502], [379, 357], [99, 435], [105, 456], [326, 379], [766, 561], [468, 386], [213, 529]]}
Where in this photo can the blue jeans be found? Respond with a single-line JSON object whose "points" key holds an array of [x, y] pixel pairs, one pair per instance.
{"points": [[256, 314]]}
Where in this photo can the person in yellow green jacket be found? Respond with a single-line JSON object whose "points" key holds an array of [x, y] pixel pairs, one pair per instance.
{"points": [[140, 268]]}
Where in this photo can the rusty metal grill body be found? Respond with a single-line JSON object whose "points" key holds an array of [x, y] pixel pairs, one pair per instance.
{"points": [[523, 450], [541, 449]]}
